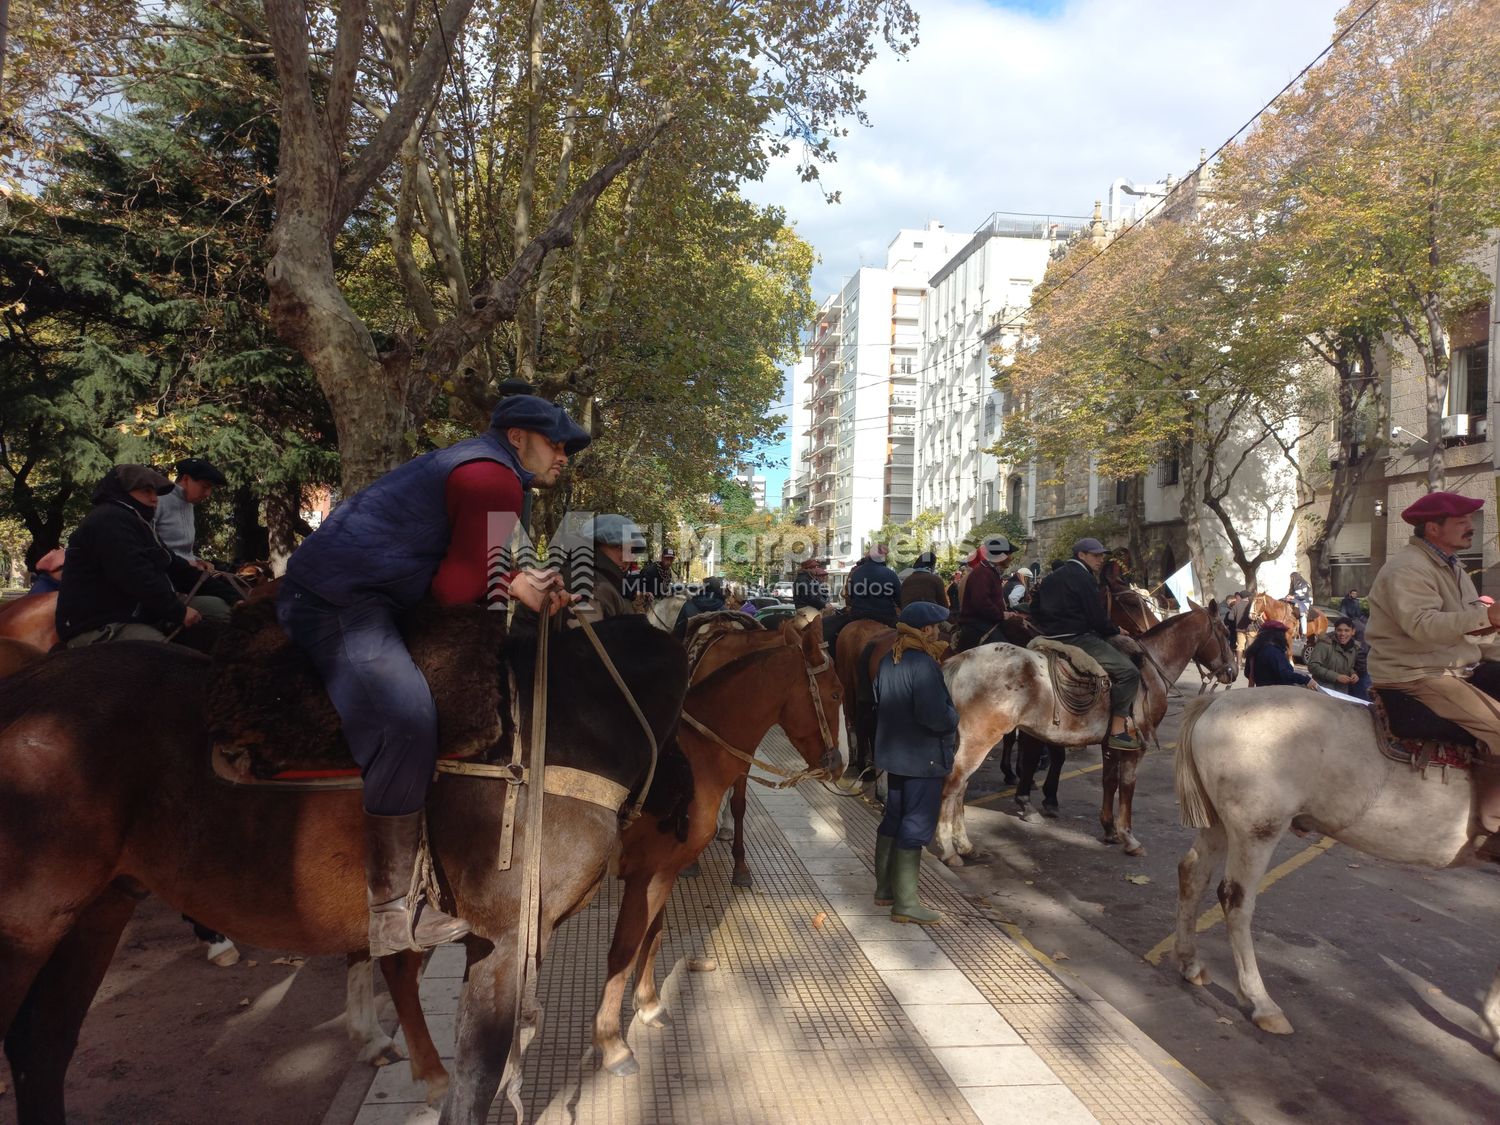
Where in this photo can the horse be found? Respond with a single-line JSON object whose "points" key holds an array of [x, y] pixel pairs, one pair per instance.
{"points": [[853, 639], [1244, 775], [103, 800], [1265, 606], [32, 619], [1132, 610], [998, 688], [16, 655], [662, 612], [759, 679]]}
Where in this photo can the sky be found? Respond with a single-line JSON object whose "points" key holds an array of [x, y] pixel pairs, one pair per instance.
{"points": [[1036, 106]]}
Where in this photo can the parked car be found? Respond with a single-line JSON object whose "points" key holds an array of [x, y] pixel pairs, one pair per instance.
{"points": [[782, 590]]}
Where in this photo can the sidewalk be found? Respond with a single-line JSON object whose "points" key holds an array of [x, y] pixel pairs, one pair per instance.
{"points": [[820, 1009]]}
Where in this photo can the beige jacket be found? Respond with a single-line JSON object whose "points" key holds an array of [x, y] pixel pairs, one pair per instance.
{"points": [[1420, 612]]}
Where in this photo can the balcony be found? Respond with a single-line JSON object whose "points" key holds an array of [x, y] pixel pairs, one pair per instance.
{"points": [[903, 429], [903, 400]]}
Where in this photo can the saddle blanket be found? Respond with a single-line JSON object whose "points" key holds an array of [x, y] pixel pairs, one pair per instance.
{"points": [[270, 717]]}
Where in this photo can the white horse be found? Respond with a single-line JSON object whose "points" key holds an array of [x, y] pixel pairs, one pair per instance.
{"points": [[1249, 762], [663, 612]]}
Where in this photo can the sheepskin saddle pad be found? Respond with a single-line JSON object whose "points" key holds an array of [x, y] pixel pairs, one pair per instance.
{"points": [[270, 717]]}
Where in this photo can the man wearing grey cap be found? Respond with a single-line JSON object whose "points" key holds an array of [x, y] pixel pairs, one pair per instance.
{"points": [[1068, 606], [175, 525], [618, 542], [119, 582]]}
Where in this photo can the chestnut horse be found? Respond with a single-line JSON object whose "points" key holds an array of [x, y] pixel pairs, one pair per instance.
{"points": [[1265, 606], [32, 619], [103, 799], [999, 688]]}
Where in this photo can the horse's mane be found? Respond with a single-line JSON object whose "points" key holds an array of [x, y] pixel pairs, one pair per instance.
{"points": [[715, 678], [1165, 623]]}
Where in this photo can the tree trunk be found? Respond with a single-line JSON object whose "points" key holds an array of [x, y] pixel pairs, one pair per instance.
{"points": [[283, 525], [1435, 360], [1191, 511], [252, 542]]}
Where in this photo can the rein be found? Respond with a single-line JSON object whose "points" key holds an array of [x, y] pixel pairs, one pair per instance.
{"points": [[789, 779]]}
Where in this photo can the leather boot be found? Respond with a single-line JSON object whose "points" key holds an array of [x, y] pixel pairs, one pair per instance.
{"points": [[390, 857], [906, 864], [884, 845]]}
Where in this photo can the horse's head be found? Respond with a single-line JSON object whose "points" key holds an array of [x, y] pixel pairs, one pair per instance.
{"points": [[1215, 651], [811, 716]]}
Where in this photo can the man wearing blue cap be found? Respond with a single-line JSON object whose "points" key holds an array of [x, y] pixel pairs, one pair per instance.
{"points": [[426, 528], [916, 731], [1068, 606]]}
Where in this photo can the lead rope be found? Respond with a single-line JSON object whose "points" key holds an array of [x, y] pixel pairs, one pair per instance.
{"points": [[527, 1013], [614, 674]]}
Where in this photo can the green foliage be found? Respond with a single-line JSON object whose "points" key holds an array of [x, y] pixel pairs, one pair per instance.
{"points": [[1102, 528], [1008, 524], [909, 538]]}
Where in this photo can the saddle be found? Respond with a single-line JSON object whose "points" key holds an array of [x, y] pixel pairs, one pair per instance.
{"points": [[1078, 680], [270, 718], [1409, 731]]}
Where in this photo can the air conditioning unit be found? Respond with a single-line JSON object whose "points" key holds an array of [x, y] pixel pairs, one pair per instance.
{"points": [[1456, 426]]}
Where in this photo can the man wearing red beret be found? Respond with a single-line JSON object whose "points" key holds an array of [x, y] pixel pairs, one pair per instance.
{"points": [[1428, 628]]}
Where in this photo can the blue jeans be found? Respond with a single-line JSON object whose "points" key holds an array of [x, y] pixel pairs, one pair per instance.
{"points": [[382, 699], [912, 805]]}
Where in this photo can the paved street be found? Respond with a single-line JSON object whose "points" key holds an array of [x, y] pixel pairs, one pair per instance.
{"points": [[1379, 968]]}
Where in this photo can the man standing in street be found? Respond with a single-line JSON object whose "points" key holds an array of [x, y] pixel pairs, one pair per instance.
{"points": [[1069, 607], [1333, 659]]}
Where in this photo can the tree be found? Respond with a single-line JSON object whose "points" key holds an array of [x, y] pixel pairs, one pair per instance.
{"points": [[907, 539], [710, 77]]}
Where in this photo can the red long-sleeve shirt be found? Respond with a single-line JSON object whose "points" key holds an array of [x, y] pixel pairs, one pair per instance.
{"points": [[473, 492], [984, 598]]}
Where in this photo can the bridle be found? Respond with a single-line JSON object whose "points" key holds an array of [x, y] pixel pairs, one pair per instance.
{"points": [[789, 778], [1213, 678]]}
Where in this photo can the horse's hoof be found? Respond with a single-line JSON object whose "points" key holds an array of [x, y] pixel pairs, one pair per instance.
{"points": [[979, 859], [381, 1052], [1275, 1023], [655, 1016], [623, 1066], [1134, 848], [725, 834], [742, 879], [437, 1090], [1110, 838], [1200, 978], [954, 860], [691, 871], [223, 954], [1010, 778]]}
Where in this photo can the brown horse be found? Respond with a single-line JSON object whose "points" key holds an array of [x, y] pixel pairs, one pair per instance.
{"points": [[1266, 607], [103, 798], [762, 679], [999, 688], [32, 619], [15, 655]]}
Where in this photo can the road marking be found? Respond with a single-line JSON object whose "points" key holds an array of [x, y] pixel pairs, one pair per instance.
{"points": [[1214, 914], [988, 798]]}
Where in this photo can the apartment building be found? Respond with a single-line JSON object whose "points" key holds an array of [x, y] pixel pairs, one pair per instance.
{"points": [[976, 303], [861, 392]]}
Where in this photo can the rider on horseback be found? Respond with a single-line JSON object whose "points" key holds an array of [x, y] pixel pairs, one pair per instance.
{"points": [[426, 528], [1428, 629], [982, 591], [1068, 606], [810, 587]]}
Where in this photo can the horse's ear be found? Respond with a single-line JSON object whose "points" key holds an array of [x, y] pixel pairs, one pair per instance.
{"points": [[1213, 607], [1193, 605]]}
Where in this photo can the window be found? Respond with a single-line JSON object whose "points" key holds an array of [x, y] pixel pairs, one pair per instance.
{"points": [[1169, 471], [989, 497], [1014, 501], [1469, 384], [1122, 490]]}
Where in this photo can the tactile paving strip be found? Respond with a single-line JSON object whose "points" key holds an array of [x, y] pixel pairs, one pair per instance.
{"points": [[794, 1026], [1111, 1078]]}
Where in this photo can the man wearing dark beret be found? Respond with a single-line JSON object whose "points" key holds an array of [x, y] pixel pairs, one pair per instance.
{"points": [[1428, 628], [426, 528], [916, 731]]}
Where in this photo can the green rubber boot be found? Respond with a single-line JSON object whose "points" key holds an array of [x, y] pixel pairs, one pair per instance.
{"points": [[906, 863], [883, 848]]}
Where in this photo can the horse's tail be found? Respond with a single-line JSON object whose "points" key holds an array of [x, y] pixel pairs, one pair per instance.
{"points": [[1197, 809]]}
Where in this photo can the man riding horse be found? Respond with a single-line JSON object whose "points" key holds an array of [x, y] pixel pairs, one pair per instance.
{"points": [[982, 591], [1428, 629], [1068, 606], [427, 528]]}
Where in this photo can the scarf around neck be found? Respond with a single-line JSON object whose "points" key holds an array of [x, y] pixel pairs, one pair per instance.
{"points": [[908, 638]]}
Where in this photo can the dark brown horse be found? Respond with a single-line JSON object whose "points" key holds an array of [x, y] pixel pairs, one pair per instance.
{"points": [[15, 655], [106, 793], [32, 619]]}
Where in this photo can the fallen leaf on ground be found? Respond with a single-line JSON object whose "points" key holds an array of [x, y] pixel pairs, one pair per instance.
{"points": [[1061, 956], [245, 1002], [702, 964], [249, 964], [1031, 882], [1224, 1019], [819, 919], [294, 962], [1352, 866], [1138, 880], [1435, 990]]}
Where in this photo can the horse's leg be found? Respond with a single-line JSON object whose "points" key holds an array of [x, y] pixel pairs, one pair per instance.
{"points": [[1130, 761], [1248, 857], [741, 876], [1007, 751], [1111, 783], [1194, 871], [486, 1026], [1491, 1013], [361, 1016], [44, 1033], [403, 976], [631, 927], [951, 841], [648, 1005]]}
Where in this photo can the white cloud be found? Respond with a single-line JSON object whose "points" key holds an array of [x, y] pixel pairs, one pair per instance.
{"points": [[1002, 110]]}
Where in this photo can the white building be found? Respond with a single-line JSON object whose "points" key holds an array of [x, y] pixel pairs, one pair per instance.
{"points": [[755, 486], [864, 353], [794, 490], [974, 304]]}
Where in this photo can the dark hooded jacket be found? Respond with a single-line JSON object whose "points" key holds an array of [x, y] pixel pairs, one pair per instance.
{"points": [[1070, 601], [116, 570]]}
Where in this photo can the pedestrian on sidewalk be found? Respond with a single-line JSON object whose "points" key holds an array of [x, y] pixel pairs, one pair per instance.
{"points": [[916, 730]]}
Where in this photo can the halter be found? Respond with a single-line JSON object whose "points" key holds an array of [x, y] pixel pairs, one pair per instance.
{"points": [[807, 773], [1208, 676]]}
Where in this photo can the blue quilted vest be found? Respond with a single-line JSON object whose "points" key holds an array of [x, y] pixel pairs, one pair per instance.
{"points": [[387, 540]]}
